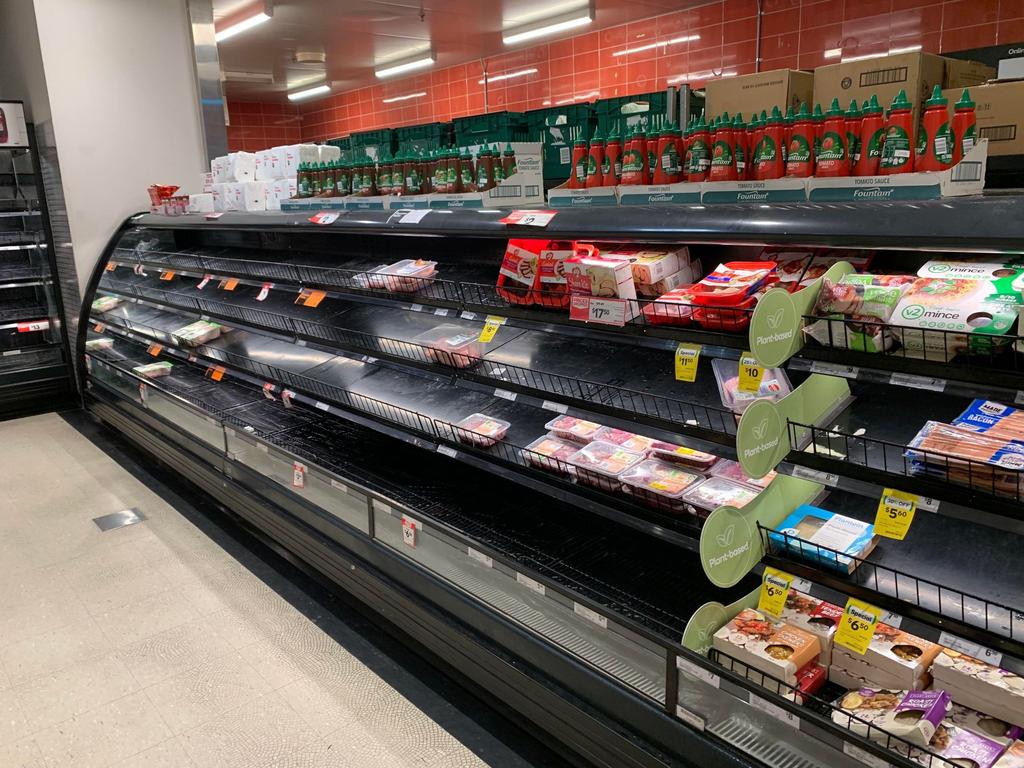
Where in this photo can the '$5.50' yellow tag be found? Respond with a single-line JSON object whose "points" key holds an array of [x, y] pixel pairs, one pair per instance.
{"points": [[687, 357], [857, 626], [774, 590], [895, 513], [751, 374]]}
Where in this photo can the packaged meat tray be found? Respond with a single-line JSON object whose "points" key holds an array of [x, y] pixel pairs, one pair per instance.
{"points": [[980, 685], [551, 453], [672, 308], [599, 464], [858, 259], [406, 276], [731, 470], [992, 419], [917, 716], [863, 710], [956, 747], [715, 492], [627, 440], [482, 430], [984, 724], [774, 385], [552, 288], [732, 283], [872, 297], [968, 458], [105, 303], [199, 332], [451, 345], [154, 370], [659, 484], [790, 265], [571, 428], [99, 345], [680, 454]]}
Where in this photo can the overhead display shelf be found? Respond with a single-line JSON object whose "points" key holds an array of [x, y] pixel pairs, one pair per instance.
{"points": [[256, 355]]}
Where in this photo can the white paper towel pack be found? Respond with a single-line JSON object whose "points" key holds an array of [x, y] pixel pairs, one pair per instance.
{"points": [[267, 166], [201, 203], [281, 189], [219, 191], [251, 196], [241, 166], [219, 167], [291, 155], [329, 153], [232, 194]]}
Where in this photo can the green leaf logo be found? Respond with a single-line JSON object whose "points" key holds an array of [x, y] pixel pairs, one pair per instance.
{"points": [[725, 538]]}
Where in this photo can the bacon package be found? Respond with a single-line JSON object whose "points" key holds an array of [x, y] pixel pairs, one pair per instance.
{"points": [[519, 272], [965, 457], [992, 419]]}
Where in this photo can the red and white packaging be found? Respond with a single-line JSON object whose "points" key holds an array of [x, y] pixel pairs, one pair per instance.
{"points": [[519, 274], [684, 276], [592, 275], [553, 289], [673, 308], [654, 264]]}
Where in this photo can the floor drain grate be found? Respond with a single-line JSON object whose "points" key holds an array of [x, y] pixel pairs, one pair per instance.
{"points": [[119, 519]]}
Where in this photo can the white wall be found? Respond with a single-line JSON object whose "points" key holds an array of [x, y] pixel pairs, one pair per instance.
{"points": [[21, 66], [124, 108]]}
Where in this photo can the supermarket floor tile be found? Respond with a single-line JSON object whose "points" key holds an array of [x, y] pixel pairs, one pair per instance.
{"points": [[178, 643]]}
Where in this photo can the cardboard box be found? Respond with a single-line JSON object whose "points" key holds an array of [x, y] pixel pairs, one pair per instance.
{"points": [[916, 73], [563, 197], [778, 650], [964, 73], [751, 93], [1000, 111]]}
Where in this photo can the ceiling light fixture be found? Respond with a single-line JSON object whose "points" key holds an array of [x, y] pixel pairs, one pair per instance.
{"points": [[578, 18], [308, 93], [249, 77], [407, 96], [509, 76], [245, 23], [649, 46], [405, 66]]}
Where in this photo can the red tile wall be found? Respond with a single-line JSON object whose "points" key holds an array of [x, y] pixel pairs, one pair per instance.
{"points": [[255, 125], [794, 34]]}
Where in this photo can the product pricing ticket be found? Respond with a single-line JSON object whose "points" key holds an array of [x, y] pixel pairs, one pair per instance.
{"points": [[774, 590], [687, 357], [751, 374], [857, 626], [895, 513]]}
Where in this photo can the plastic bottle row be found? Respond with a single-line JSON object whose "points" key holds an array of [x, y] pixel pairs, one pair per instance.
{"points": [[444, 171], [858, 141]]}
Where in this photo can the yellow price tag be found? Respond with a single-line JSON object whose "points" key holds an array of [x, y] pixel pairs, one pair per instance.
{"points": [[751, 374], [490, 328], [895, 513], [687, 357], [774, 591], [857, 626]]}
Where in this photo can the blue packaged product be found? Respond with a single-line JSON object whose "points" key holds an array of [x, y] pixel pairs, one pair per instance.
{"points": [[808, 529]]}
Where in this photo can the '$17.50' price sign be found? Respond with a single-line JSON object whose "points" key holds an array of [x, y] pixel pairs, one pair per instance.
{"points": [[857, 626]]}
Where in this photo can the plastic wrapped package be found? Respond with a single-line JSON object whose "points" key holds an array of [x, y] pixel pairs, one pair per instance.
{"points": [[774, 385], [715, 492], [551, 452], [672, 308], [599, 464], [105, 303], [519, 272], [199, 332], [726, 297], [856, 333], [451, 345], [683, 277], [680, 454], [571, 428], [552, 288], [481, 430], [659, 484], [154, 370], [865, 296], [406, 276], [99, 345], [627, 440], [731, 470]]}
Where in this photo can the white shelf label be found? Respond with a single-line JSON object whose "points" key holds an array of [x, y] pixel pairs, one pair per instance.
{"points": [[917, 382], [1019, 399], [339, 486], [690, 718], [480, 557], [468, 316], [444, 450], [834, 369], [825, 478], [892, 619], [441, 312], [774, 710], [529, 583], [299, 475], [504, 394], [263, 447], [697, 671], [927, 504], [416, 307], [411, 529], [547, 405], [968, 648], [590, 615], [865, 757], [800, 585], [322, 406]]}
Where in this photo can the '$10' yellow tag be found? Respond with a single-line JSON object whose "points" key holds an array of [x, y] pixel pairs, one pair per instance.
{"points": [[751, 374], [774, 591]]}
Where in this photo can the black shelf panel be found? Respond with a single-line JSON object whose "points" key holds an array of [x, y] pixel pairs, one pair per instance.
{"points": [[979, 224]]}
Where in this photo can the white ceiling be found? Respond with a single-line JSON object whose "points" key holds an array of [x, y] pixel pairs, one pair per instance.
{"points": [[356, 35]]}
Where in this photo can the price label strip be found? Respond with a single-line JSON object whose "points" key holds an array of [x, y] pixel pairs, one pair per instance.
{"points": [[857, 626], [298, 475], [488, 331], [410, 529], [230, 284], [216, 372], [323, 217], [168, 275], [687, 357], [529, 218], [155, 349], [774, 591], [751, 374], [895, 513], [309, 298], [590, 309]]}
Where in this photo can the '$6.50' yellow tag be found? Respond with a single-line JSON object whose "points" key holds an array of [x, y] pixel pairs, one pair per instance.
{"points": [[687, 357], [857, 626], [895, 513], [751, 374], [774, 590]]}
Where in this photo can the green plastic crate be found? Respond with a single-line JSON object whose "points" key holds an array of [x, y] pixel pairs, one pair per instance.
{"points": [[645, 110], [491, 128], [373, 143], [343, 143], [421, 138], [557, 128]]}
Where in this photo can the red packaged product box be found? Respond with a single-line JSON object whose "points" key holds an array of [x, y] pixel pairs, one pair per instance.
{"points": [[553, 289], [519, 275]]}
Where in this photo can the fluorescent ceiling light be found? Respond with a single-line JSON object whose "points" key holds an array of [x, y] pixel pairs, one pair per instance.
{"points": [[237, 27], [833, 53], [393, 99], [249, 77], [579, 18], [509, 76], [649, 46], [406, 66], [307, 93]]}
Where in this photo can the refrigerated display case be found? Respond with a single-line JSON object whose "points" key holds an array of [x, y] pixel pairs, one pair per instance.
{"points": [[377, 431], [35, 363]]}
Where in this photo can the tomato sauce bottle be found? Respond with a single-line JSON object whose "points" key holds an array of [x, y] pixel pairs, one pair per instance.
{"points": [[645, 154], [612, 160], [595, 160], [872, 135], [800, 157], [509, 166], [834, 158], [740, 150], [632, 162], [854, 118], [578, 175], [769, 163], [723, 151], [787, 123], [938, 135], [965, 128], [700, 152], [898, 146], [818, 117]]}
